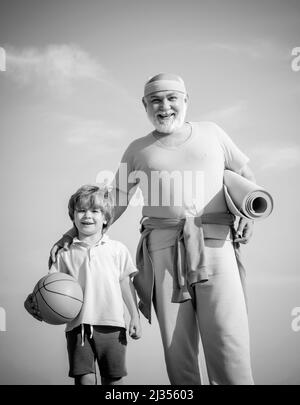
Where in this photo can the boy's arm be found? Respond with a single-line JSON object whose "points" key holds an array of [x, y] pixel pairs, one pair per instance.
{"points": [[129, 297], [30, 303], [31, 306]]}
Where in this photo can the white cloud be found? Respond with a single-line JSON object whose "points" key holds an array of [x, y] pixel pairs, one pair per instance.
{"points": [[256, 49], [79, 132], [89, 132], [232, 116], [56, 67], [2, 60], [277, 157]]}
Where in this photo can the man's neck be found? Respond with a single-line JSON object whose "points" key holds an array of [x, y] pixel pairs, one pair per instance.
{"points": [[176, 137]]}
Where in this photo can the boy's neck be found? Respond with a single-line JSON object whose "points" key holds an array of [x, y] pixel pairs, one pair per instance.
{"points": [[90, 239]]}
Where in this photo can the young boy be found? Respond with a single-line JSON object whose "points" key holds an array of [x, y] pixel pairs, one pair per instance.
{"points": [[103, 268]]}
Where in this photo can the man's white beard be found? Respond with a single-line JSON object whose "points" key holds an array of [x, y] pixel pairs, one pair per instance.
{"points": [[170, 125]]}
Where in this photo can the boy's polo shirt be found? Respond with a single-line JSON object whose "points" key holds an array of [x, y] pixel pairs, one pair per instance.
{"points": [[99, 270]]}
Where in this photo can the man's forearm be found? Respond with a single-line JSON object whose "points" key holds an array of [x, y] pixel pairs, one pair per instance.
{"points": [[247, 173], [245, 227], [120, 203], [71, 232], [118, 211]]}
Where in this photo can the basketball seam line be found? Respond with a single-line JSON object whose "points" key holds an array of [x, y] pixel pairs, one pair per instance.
{"points": [[66, 317], [54, 281], [65, 295], [55, 292]]}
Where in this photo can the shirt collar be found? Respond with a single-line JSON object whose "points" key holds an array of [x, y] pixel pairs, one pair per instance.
{"points": [[102, 241]]}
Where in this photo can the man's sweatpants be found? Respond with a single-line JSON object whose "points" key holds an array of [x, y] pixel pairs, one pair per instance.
{"points": [[218, 311]]}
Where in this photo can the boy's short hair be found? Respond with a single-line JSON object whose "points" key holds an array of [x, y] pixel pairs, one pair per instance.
{"points": [[93, 196]]}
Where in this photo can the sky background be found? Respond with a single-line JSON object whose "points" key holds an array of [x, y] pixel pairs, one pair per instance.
{"points": [[70, 103]]}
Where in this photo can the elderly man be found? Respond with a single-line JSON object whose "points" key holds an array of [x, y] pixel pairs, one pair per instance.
{"points": [[187, 254]]}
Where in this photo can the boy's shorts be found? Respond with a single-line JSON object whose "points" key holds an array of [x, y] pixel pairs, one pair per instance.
{"points": [[107, 345]]}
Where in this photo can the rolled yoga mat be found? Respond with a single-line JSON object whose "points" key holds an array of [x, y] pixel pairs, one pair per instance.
{"points": [[245, 198]]}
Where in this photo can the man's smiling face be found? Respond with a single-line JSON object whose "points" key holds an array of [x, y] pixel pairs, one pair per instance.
{"points": [[166, 110]]}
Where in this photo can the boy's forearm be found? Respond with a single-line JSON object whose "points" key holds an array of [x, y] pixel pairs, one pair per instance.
{"points": [[129, 297]]}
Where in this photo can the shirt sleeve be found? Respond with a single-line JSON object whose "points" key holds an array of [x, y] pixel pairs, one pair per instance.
{"points": [[59, 265], [126, 265], [235, 159]]}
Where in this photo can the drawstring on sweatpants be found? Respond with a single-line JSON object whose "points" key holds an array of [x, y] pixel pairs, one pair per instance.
{"points": [[82, 332]]}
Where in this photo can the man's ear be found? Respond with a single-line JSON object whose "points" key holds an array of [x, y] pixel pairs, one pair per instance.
{"points": [[186, 98], [144, 103]]}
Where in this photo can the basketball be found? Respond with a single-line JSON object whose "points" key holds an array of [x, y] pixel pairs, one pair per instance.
{"points": [[59, 297]]}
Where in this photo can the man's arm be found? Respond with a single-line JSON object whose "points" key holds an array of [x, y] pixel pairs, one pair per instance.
{"points": [[247, 173], [63, 243], [121, 202], [245, 227], [123, 189]]}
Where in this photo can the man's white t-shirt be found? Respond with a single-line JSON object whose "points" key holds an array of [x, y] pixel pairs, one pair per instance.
{"points": [[99, 270], [177, 181]]}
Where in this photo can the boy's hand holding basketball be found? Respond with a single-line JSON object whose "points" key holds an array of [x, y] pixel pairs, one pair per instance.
{"points": [[31, 306]]}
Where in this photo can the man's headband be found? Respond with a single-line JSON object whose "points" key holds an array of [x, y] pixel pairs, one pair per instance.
{"points": [[164, 85]]}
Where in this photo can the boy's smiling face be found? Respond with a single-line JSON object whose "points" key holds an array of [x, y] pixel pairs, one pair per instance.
{"points": [[88, 221]]}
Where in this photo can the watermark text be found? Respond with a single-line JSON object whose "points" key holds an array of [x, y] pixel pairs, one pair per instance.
{"points": [[296, 321], [2, 60], [296, 61], [2, 320], [157, 188]]}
